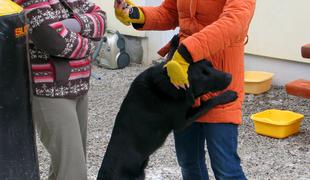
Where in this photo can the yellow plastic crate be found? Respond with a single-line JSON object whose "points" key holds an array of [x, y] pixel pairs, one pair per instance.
{"points": [[277, 123], [257, 82]]}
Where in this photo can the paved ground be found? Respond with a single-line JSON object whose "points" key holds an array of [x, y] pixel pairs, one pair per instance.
{"points": [[262, 157]]}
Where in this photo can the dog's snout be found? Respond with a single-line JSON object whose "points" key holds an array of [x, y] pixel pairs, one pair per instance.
{"points": [[228, 78], [225, 80]]}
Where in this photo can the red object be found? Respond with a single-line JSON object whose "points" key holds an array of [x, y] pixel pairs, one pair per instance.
{"points": [[299, 88], [305, 51], [164, 50]]}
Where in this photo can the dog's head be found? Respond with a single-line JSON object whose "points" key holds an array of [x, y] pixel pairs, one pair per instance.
{"points": [[203, 78]]}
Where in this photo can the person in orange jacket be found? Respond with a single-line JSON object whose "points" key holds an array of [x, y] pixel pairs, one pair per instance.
{"points": [[212, 30]]}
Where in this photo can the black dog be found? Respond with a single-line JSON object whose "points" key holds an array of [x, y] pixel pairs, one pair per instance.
{"points": [[153, 108]]}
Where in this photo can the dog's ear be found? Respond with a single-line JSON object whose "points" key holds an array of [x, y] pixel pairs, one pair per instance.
{"points": [[161, 83], [208, 63]]}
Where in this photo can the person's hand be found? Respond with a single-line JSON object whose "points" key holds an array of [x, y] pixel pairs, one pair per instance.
{"points": [[127, 12], [177, 69], [72, 24]]}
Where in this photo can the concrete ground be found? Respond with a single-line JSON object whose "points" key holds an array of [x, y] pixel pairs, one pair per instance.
{"points": [[262, 157]]}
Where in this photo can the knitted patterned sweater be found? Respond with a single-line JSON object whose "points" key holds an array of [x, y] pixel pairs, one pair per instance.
{"points": [[60, 58]]}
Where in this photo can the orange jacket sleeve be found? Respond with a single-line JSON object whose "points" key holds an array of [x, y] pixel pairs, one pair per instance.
{"points": [[163, 17], [230, 28]]}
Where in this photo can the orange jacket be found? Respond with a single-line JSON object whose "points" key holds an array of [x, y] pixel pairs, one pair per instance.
{"points": [[214, 30]]}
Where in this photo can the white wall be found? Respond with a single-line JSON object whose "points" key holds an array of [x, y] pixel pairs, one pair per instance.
{"points": [[277, 32], [279, 28], [157, 39], [284, 71]]}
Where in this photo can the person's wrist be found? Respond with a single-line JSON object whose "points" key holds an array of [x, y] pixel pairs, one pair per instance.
{"points": [[137, 26], [72, 24], [182, 50], [177, 58], [79, 19], [136, 15]]}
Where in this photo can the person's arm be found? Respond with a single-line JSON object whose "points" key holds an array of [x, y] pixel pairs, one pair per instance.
{"points": [[49, 34], [93, 21], [230, 28], [163, 17]]}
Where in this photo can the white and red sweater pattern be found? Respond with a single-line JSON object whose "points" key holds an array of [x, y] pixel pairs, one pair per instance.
{"points": [[54, 46]]}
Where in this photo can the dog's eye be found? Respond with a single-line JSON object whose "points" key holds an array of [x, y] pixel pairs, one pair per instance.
{"points": [[205, 72], [209, 64]]}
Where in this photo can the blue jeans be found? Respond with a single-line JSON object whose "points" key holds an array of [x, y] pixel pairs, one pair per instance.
{"points": [[221, 140]]}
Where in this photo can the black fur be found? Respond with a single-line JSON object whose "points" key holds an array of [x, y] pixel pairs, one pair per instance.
{"points": [[153, 108]]}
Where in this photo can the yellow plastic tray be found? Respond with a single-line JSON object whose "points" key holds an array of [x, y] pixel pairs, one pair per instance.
{"points": [[257, 82], [277, 123]]}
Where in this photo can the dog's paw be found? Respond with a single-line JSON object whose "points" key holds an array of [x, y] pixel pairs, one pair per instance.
{"points": [[227, 97]]}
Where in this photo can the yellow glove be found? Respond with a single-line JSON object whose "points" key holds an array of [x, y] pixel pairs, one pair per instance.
{"points": [[127, 12], [177, 69], [8, 7]]}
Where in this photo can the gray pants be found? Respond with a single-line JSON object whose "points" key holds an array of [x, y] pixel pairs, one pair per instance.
{"points": [[62, 126]]}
